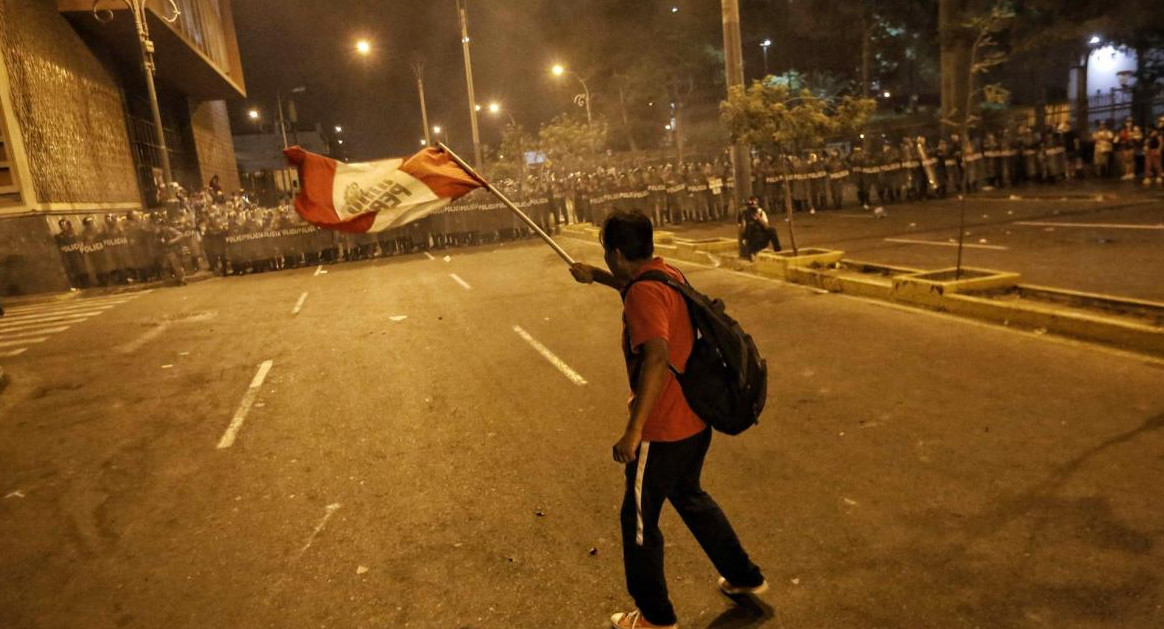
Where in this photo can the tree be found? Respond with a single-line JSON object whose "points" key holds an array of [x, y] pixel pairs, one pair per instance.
{"points": [[511, 153], [569, 143], [768, 114], [984, 54]]}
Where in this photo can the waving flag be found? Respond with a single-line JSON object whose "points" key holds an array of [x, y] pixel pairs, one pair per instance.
{"points": [[373, 196]]}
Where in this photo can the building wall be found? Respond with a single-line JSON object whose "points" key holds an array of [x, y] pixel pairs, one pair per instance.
{"points": [[67, 107], [214, 143], [30, 261]]}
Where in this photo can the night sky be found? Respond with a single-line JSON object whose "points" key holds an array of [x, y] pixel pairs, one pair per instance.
{"points": [[311, 43]]}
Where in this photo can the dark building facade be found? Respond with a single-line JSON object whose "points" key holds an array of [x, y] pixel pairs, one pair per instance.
{"points": [[76, 134]]}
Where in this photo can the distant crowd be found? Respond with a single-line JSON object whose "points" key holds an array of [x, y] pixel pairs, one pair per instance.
{"points": [[208, 230]]}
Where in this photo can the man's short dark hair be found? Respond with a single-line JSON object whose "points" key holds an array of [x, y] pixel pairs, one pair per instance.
{"points": [[630, 233]]}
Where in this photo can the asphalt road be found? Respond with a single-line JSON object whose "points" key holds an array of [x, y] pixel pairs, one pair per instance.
{"points": [[409, 458], [1114, 246]]}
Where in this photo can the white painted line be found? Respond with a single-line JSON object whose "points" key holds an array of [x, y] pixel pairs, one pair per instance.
{"points": [[20, 334], [28, 325], [14, 353], [940, 243], [463, 283], [34, 341], [331, 508], [1158, 226], [32, 310], [299, 304], [429, 256], [39, 316], [145, 337], [244, 407], [318, 270], [548, 355], [856, 215]]}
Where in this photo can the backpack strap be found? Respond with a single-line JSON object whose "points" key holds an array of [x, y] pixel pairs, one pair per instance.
{"points": [[663, 278]]}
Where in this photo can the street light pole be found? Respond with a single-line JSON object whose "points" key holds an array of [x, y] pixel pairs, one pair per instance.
{"points": [[764, 45], [138, 9], [559, 70], [462, 11], [734, 73]]}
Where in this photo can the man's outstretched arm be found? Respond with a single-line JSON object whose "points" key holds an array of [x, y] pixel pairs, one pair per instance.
{"points": [[587, 274]]}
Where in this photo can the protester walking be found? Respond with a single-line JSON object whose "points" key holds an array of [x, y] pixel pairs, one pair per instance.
{"points": [[665, 442]]}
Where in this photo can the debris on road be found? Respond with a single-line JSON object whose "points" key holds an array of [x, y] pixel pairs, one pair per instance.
{"points": [[447, 258], [167, 366], [593, 551], [14, 494], [398, 318], [361, 569]]}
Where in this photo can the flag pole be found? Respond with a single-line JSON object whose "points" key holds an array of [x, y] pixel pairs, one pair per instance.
{"points": [[497, 193]]}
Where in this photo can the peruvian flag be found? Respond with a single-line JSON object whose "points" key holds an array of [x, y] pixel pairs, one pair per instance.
{"points": [[373, 196]]}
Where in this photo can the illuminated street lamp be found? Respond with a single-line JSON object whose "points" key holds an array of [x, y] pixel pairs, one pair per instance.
{"points": [[363, 47], [764, 46], [253, 114], [339, 129], [558, 70]]}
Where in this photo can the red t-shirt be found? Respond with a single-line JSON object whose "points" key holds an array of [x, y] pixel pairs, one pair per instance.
{"points": [[653, 310]]}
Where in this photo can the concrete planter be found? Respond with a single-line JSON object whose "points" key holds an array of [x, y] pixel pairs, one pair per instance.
{"points": [[778, 264], [928, 288]]}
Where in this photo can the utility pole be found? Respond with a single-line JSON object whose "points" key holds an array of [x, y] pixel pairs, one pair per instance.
{"points": [[733, 54], [462, 10], [418, 71]]}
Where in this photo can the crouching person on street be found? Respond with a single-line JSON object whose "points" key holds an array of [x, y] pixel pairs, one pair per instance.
{"points": [[665, 442], [755, 232]]}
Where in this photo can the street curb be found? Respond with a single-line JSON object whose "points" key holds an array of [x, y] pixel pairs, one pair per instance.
{"points": [[985, 295]]}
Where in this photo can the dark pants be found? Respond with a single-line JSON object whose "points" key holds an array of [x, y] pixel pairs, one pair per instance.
{"points": [[757, 236], [670, 470]]}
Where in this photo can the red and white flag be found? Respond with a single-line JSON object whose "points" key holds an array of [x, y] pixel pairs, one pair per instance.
{"points": [[373, 196]]}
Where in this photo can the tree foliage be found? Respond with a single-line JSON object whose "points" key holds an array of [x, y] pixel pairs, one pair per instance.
{"points": [[570, 143], [769, 114]]}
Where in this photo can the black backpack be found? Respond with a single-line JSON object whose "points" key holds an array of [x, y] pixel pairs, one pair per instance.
{"points": [[726, 380]]}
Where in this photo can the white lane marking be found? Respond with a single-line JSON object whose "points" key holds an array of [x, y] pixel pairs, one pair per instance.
{"points": [[34, 341], [318, 270], [1157, 226], [548, 355], [145, 337], [299, 304], [34, 310], [27, 326], [87, 301], [45, 315], [940, 243], [14, 353], [429, 256], [463, 283], [244, 407], [331, 508], [24, 333]]}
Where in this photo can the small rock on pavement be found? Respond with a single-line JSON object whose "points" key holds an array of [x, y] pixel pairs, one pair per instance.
{"points": [[540, 514], [796, 581], [361, 569], [593, 551]]}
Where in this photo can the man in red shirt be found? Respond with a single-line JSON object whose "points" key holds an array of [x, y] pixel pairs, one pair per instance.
{"points": [[665, 442]]}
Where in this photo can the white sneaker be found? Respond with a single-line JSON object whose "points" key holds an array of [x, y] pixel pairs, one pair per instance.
{"points": [[734, 590]]}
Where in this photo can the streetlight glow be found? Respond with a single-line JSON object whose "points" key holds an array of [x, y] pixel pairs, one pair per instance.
{"points": [[494, 108], [1094, 40], [436, 129], [339, 129], [766, 43], [253, 114], [477, 107], [364, 47], [558, 70]]}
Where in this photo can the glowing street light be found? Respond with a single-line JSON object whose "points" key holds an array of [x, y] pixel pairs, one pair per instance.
{"points": [[364, 47], [558, 70], [339, 129], [1094, 40], [764, 45], [436, 129], [253, 114], [494, 108]]}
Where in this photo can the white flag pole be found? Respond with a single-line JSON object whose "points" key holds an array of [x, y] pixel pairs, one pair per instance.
{"points": [[497, 193]]}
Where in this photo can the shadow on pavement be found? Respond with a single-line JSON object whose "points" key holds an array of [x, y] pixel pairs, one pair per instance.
{"points": [[748, 611]]}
